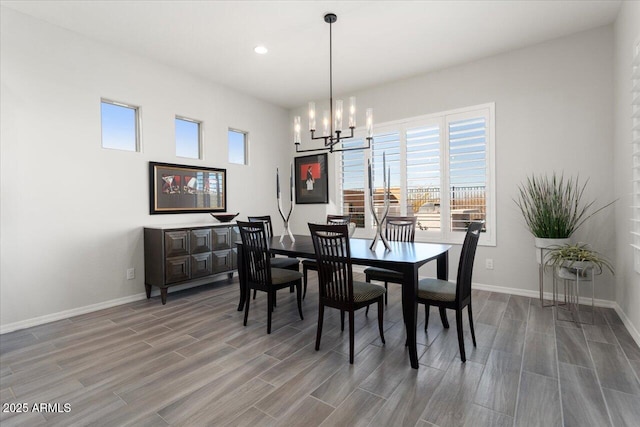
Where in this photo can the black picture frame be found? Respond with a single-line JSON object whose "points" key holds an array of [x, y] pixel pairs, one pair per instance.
{"points": [[175, 189], [311, 179]]}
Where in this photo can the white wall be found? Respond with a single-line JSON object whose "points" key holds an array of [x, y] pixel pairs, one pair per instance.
{"points": [[72, 213], [553, 113], [627, 33]]}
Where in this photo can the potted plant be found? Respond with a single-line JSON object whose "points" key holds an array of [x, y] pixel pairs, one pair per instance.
{"points": [[553, 208], [577, 256]]}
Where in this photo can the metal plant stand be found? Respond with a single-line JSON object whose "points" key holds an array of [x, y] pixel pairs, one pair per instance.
{"points": [[573, 276]]}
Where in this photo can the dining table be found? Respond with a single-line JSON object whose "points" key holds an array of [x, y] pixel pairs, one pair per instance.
{"points": [[404, 257]]}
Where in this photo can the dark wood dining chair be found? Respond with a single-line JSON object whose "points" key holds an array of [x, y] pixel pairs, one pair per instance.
{"points": [[399, 229], [336, 284], [310, 264], [259, 273], [455, 296], [277, 262]]}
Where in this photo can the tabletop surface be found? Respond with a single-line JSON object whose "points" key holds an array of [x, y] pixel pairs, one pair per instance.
{"points": [[401, 252]]}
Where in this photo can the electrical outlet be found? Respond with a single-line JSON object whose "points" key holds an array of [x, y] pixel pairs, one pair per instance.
{"points": [[131, 273], [489, 263]]}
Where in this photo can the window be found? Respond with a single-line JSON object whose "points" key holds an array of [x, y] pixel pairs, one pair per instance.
{"points": [[439, 167], [188, 138], [120, 126], [635, 149], [352, 184], [238, 147]]}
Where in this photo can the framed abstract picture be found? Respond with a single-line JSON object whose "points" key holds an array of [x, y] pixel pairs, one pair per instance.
{"points": [[311, 181], [186, 189]]}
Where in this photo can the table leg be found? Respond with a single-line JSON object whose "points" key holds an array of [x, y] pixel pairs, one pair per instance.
{"points": [[410, 310], [443, 266], [241, 279], [443, 274]]}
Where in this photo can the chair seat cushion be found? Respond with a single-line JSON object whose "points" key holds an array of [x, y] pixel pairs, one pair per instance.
{"points": [[376, 273], [436, 289], [284, 262], [363, 291], [280, 276]]}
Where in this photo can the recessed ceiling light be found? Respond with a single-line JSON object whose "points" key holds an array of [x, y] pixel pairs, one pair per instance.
{"points": [[261, 50]]}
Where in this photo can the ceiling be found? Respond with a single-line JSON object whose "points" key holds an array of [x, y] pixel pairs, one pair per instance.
{"points": [[374, 42]]}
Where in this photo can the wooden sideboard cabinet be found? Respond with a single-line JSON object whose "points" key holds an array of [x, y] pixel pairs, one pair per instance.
{"points": [[178, 255]]}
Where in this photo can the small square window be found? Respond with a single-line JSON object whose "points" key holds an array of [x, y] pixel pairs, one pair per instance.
{"points": [[120, 126], [188, 138], [237, 147]]}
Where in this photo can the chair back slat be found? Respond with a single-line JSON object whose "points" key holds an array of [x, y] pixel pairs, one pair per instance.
{"points": [[267, 220], [335, 274], [400, 228], [467, 256], [254, 252]]}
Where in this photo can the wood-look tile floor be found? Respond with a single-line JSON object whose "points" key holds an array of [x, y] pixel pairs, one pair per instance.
{"points": [[192, 363]]}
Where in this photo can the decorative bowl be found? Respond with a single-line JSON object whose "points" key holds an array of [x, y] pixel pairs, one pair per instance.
{"points": [[224, 217]]}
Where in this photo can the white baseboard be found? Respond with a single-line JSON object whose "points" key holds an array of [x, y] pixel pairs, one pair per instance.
{"points": [[627, 323], [36, 321], [547, 295]]}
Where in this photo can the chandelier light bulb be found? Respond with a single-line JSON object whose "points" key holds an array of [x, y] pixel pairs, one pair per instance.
{"points": [[338, 115], [296, 130], [352, 112], [312, 116]]}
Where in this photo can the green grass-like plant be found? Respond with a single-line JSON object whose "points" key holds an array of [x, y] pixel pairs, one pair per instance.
{"points": [[552, 206], [567, 255]]}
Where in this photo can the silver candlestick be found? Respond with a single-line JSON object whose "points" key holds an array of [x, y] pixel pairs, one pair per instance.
{"points": [[386, 179], [285, 219]]}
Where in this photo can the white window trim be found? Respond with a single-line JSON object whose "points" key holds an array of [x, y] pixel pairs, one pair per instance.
{"points": [[246, 146], [200, 137], [634, 223], [486, 239], [138, 121]]}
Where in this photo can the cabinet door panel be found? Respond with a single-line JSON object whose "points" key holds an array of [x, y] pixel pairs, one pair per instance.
{"points": [[222, 261], [201, 265], [234, 258], [200, 240], [176, 243], [235, 235], [177, 269], [221, 238]]}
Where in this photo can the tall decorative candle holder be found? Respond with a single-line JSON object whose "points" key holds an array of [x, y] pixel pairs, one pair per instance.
{"points": [[285, 219], [386, 179]]}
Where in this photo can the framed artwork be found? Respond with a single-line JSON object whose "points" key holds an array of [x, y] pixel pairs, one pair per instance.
{"points": [[312, 184], [186, 189]]}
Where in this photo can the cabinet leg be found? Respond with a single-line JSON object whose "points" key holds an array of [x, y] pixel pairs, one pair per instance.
{"points": [[163, 295], [148, 289]]}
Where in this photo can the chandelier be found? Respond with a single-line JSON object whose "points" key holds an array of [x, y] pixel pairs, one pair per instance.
{"points": [[333, 132]]}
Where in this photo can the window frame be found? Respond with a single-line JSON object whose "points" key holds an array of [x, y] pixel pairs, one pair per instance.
{"points": [[634, 223], [444, 234], [137, 122], [200, 137], [245, 143]]}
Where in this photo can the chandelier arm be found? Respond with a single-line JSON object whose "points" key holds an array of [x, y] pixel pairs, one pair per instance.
{"points": [[310, 150], [365, 147]]}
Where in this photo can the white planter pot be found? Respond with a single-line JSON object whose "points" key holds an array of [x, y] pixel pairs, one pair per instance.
{"points": [[544, 244]]}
